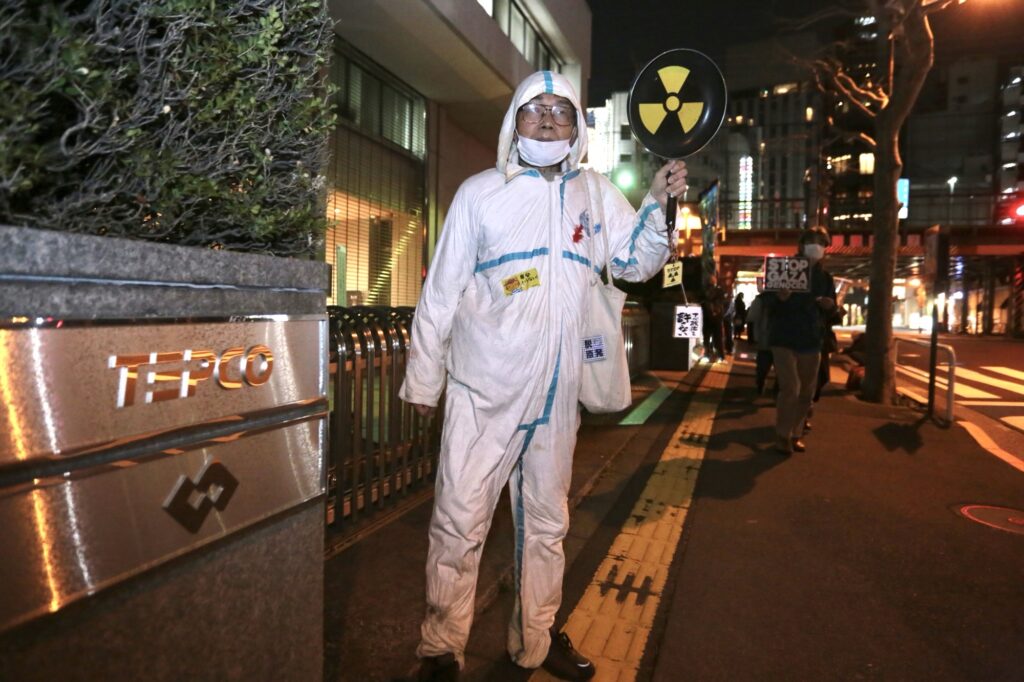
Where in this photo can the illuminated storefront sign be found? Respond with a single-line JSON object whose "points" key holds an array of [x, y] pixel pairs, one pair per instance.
{"points": [[746, 192]]}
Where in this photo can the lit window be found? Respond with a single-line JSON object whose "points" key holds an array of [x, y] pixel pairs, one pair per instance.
{"points": [[839, 163], [867, 163], [784, 88], [488, 6], [809, 114]]}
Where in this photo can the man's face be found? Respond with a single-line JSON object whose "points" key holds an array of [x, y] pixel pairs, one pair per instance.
{"points": [[815, 238], [552, 125]]}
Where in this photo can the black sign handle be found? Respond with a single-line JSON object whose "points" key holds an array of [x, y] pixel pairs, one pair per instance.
{"points": [[670, 207]]}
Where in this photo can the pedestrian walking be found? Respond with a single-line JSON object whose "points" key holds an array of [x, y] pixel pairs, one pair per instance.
{"points": [[500, 321], [757, 319], [796, 330], [713, 305], [741, 314], [728, 322]]}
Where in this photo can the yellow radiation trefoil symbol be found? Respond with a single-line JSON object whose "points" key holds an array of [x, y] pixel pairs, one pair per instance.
{"points": [[653, 114]]}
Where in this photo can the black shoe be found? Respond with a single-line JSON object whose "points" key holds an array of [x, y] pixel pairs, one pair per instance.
{"points": [[443, 668], [564, 662], [798, 445], [807, 425]]}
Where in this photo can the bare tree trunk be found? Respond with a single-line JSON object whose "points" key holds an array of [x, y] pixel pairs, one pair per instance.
{"points": [[879, 369], [912, 48]]}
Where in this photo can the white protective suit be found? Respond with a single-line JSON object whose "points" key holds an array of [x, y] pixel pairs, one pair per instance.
{"points": [[500, 318]]}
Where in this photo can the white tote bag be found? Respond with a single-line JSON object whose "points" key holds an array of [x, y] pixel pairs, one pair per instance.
{"points": [[604, 385]]}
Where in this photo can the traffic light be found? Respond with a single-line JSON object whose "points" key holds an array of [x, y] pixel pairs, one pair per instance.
{"points": [[1011, 211]]}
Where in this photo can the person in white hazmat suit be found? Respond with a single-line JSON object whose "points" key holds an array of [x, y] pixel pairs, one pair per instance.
{"points": [[500, 321]]}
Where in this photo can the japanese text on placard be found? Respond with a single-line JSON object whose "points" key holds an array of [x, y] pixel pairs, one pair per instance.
{"points": [[688, 322], [593, 349]]}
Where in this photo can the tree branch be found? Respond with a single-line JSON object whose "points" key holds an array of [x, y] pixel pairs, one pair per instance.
{"points": [[854, 87], [916, 47], [838, 86], [939, 5], [862, 137]]}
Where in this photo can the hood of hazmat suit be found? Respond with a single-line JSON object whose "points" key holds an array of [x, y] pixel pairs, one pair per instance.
{"points": [[552, 83], [498, 328]]}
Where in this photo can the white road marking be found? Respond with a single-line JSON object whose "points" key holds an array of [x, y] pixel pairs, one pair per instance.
{"points": [[959, 389], [911, 393], [983, 439], [1016, 422], [1014, 373], [1011, 386]]}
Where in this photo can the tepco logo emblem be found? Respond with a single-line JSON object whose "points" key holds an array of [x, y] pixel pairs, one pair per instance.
{"points": [[190, 502], [143, 378]]}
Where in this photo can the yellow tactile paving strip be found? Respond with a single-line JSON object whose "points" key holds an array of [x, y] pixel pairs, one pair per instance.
{"points": [[613, 620]]}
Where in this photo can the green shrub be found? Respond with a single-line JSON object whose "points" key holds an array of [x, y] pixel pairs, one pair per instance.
{"points": [[197, 122]]}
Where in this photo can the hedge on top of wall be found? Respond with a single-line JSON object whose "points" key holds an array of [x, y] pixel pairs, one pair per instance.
{"points": [[195, 122]]}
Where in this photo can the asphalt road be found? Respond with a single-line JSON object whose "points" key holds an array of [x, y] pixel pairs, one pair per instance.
{"points": [[989, 373]]}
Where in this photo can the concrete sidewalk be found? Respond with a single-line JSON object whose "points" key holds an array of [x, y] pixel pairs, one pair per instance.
{"points": [[848, 561], [374, 590]]}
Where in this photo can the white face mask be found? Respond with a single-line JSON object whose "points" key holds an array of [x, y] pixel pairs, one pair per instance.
{"points": [[541, 154], [814, 251]]}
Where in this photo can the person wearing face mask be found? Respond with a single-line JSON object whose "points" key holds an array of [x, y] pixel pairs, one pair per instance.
{"points": [[796, 324], [498, 328]]}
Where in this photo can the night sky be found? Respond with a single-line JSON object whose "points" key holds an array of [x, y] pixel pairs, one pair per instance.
{"points": [[628, 33]]}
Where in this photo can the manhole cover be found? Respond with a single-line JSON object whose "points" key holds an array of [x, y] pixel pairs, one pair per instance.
{"points": [[1003, 518]]}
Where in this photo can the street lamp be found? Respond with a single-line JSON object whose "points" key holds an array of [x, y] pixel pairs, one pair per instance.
{"points": [[625, 179]]}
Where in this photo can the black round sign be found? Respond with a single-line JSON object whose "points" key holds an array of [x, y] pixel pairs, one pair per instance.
{"points": [[677, 103]]}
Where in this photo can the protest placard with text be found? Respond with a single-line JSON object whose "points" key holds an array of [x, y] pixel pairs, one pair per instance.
{"points": [[791, 273]]}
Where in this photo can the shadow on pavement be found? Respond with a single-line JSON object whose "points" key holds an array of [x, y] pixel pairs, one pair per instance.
{"points": [[901, 436]]}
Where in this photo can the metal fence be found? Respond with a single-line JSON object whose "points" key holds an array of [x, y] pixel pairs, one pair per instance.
{"points": [[636, 334], [912, 369], [381, 450]]}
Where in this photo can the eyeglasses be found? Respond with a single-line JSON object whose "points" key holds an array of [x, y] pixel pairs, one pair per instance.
{"points": [[534, 113]]}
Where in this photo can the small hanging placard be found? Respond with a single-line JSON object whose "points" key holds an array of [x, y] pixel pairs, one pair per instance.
{"points": [[672, 275], [689, 322]]}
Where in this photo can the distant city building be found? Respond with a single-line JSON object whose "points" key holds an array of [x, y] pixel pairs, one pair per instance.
{"points": [[783, 123], [1011, 147], [849, 163], [950, 145]]}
